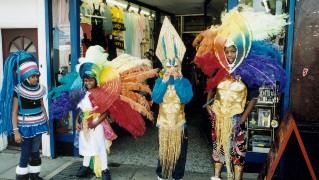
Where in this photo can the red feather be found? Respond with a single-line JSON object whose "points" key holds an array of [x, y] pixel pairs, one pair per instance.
{"points": [[126, 117], [102, 100], [110, 88], [208, 63], [210, 66], [212, 82]]}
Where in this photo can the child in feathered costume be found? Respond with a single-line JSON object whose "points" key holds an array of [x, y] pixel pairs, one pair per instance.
{"points": [[111, 92], [171, 92], [23, 111], [238, 62]]}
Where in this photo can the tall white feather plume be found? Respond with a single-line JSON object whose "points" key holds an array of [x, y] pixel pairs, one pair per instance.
{"points": [[94, 54], [125, 62], [263, 26]]}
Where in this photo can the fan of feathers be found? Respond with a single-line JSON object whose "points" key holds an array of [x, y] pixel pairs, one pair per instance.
{"points": [[134, 89]]}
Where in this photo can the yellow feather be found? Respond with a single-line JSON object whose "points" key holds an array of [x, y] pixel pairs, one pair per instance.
{"points": [[108, 74]]}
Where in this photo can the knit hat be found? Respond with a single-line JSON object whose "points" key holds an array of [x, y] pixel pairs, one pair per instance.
{"points": [[27, 67]]}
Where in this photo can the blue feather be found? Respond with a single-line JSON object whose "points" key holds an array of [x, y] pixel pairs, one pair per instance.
{"points": [[263, 65], [66, 83], [67, 95], [61, 106], [266, 49]]}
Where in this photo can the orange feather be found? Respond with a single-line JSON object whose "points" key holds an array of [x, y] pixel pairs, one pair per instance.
{"points": [[136, 87], [140, 76], [137, 98], [136, 69], [138, 107]]}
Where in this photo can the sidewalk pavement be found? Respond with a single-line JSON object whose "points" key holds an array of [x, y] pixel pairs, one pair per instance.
{"points": [[66, 168]]}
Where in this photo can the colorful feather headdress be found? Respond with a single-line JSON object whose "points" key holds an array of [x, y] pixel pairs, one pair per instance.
{"points": [[119, 85], [257, 62], [234, 31], [170, 47]]}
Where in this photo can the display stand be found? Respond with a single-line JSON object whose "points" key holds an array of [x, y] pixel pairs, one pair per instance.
{"points": [[261, 125], [287, 127]]}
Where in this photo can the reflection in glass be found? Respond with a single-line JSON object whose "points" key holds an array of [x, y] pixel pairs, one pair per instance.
{"points": [[61, 54]]}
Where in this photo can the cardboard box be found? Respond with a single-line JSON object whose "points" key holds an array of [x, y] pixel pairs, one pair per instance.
{"points": [[261, 149], [261, 141]]}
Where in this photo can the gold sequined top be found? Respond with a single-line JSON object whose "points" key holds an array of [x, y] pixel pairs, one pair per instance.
{"points": [[171, 111], [230, 98]]}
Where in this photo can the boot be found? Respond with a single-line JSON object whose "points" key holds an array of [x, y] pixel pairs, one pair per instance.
{"points": [[22, 173], [106, 175], [35, 176], [238, 172], [83, 171], [34, 169], [22, 177], [218, 169]]}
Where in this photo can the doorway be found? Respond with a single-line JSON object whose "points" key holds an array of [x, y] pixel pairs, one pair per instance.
{"points": [[12, 41], [19, 39]]}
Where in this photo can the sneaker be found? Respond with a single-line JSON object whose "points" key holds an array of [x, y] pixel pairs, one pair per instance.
{"points": [[106, 175], [158, 178], [83, 171]]}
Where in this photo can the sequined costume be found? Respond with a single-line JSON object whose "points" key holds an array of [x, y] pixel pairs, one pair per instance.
{"points": [[230, 100], [255, 63], [171, 94], [171, 121]]}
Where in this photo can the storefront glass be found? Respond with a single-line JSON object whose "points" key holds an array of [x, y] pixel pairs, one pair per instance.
{"points": [[274, 7], [61, 56], [263, 120], [119, 27]]}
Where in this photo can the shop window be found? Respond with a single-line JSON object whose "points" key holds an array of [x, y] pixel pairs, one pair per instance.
{"points": [[61, 39], [263, 121], [118, 27], [61, 55], [270, 6]]}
